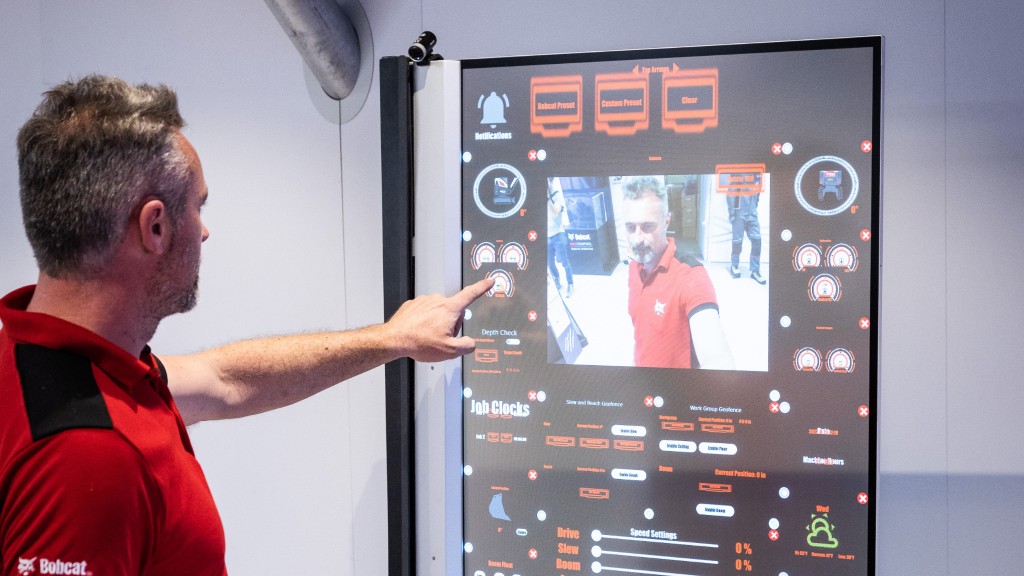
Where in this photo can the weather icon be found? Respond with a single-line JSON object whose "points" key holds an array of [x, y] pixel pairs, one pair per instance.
{"points": [[819, 532]]}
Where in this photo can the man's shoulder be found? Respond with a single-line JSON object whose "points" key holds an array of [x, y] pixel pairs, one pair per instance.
{"points": [[684, 254], [688, 264], [59, 390], [689, 259], [690, 279], [46, 393]]}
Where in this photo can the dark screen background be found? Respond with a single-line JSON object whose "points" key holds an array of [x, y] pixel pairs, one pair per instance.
{"points": [[553, 453]]}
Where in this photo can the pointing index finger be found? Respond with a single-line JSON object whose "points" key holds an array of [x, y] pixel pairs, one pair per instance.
{"points": [[470, 293]]}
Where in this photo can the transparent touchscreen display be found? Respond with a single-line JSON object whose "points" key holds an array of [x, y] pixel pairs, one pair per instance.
{"points": [[675, 369]]}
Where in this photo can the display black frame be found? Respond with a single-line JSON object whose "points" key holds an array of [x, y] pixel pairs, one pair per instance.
{"points": [[875, 44]]}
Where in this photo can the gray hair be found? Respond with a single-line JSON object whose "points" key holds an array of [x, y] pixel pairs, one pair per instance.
{"points": [[636, 187], [87, 156]]}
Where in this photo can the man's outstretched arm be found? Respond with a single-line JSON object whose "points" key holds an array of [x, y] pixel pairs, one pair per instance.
{"points": [[258, 375], [708, 341]]}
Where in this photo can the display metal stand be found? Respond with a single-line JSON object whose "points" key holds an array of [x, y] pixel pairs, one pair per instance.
{"points": [[396, 195]]}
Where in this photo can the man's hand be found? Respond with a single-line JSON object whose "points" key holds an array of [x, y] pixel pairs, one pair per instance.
{"points": [[426, 328], [254, 376]]}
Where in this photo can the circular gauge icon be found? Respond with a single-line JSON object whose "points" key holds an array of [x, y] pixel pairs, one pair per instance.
{"points": [[482, 253], [499, 190], [842, 256], [807, 359], [824, 288], [839, 360], [513, 253], [832, 185], [806, 256], [504, 284]]}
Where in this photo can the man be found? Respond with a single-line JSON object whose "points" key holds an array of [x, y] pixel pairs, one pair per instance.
{"points": [[672, 303], [558, 240], [97, 475], [743, 217]]}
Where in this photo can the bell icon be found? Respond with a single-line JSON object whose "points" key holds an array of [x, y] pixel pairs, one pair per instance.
{"points": [[494, 109]]}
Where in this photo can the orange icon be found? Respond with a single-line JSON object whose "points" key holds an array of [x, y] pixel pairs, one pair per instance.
{"points": [[560, 441], [621, 104], [739, 179], [556, 105], [486, 355], [689, 100], [629, 445], [712, 487]]}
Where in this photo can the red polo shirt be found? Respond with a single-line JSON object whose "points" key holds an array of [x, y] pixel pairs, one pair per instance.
{"points": [[661, 305], [97, 474]]}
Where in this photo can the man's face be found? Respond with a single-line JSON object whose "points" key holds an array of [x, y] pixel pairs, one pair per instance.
{"points": [[646, 223], [179, 275]]}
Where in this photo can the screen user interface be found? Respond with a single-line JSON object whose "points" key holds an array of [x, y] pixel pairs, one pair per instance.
{"points": [[675, 369]]}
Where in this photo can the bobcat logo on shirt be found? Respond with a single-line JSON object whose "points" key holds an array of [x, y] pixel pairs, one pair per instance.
{"points": [[659, 307], [57, 567], [26, 567]]}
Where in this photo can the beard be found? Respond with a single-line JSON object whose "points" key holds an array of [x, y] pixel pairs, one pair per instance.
{"points": [[189, 298], [641, 252], [175, 289]]}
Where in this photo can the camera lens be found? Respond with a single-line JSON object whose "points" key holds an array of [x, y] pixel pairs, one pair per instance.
{"points": [[422, 47]]}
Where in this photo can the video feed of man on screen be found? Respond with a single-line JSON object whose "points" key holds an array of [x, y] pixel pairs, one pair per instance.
{"points": [[657, 266]]}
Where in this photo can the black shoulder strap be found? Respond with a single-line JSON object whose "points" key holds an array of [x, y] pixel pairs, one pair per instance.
{"points": [[60, 391]]}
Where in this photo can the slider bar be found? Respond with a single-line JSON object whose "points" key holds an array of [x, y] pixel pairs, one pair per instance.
{"points": [[658, 541], [655, 557]]}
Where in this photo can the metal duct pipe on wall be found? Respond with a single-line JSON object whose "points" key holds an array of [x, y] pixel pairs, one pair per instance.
{"points": [[326, 39]]}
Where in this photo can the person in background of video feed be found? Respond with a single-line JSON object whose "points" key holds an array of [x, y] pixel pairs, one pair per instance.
{"points": [[743, 217], [672, 302], [558, 240]]}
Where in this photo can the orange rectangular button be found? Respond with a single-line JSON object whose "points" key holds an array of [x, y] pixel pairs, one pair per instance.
{"points": [[556, 105], [689, 100], [739, 179], [621, 103]]}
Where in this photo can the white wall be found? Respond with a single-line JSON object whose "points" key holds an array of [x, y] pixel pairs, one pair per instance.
{"points": [[274, 262], [295, 242], [19, 35]]}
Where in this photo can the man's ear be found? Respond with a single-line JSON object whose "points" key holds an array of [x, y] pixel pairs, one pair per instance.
{"points": [[155, 227]]}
